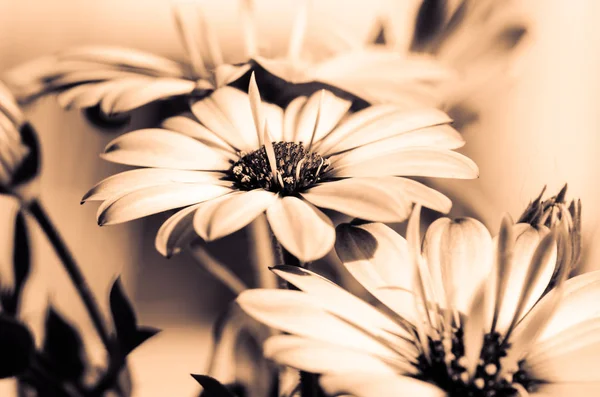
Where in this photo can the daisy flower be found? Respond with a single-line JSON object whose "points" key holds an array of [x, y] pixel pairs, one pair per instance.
{"points": [[462, 316], [476, 39], [121, 79], [243, 157], [18, 147]]}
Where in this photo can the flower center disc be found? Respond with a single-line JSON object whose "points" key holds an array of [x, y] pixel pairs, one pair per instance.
{"points": [[297, 169], [449, 372]]}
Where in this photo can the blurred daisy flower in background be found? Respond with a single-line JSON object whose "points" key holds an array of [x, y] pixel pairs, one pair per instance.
{"points": [[478, 40], [242, 157], [119, 80], [18, 147], [465, 315]]}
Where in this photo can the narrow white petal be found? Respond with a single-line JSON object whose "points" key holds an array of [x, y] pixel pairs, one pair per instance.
{"points": [[431, 162], [364, 198], [332, 110], [577, 365], [417, 192], [176, 231], [291, 116], [226, 74], [160, 148], [193, 129], [156, 89], [221, 217], [392, 124], [475, 328], [359, 384], [155, 199], [302, 229], [441, 137], [527, 239], [128, 181], [338, 301], [568, 389], [321, 358], [300, 314]]}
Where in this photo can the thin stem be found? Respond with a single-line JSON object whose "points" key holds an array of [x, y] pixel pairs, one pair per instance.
{"points": [[262, 252], [216, 268], [37, 210]]}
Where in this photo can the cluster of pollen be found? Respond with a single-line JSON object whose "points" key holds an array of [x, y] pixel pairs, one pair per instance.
{"points": [[297, 169], [446, 366]]}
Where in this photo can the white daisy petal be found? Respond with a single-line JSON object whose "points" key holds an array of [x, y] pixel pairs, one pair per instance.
{"points": [[568, 389], [112, 95], [193, 129], [527, 239], [417, 192], [365, 198], [332, 110], [424, 161], [321, 358], [393, 124], [160, 148], [291, 116], [226, 74], [221, 217], [156, 89], [302, 229], [459, 255], [127, 57], [577, 365], [359, 384], [129, 181], [155, 199], [441, 137], [176, 231], [300, 314], [338, 301]]}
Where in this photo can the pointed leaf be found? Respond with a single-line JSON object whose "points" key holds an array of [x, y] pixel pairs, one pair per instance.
{"points": [[16, 345], [63, 347], [212, 387]]}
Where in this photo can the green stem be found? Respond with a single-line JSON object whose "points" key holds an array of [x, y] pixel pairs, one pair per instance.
{"points": [[69, 264]]}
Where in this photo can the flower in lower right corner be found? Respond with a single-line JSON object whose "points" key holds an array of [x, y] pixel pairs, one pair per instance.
{"points": [[462, 316]]}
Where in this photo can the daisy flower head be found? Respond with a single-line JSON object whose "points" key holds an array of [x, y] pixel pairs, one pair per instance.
{"points": [[461, 314], [18, 146], [237, 157]]}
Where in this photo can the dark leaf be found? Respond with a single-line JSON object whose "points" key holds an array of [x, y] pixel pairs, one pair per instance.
{"points": [[63, 347], [128, 334], [212, 387], [16, 347], [30, 167], [21, 261]]}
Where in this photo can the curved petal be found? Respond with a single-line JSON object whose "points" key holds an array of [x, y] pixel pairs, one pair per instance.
{"points": [[378, 258], [300, 314], [441, 137], [221, 217], [321, 358], [568, 389], [338, 301], [526, 242], [160, 148], [129, 181], [359, 384], [161, 88], [364, 198], [459, 256], [417, 192], [421, 161], [290, 117], [155, 199], [193, 129], [176, 231], [302, 229], [332, 109]]}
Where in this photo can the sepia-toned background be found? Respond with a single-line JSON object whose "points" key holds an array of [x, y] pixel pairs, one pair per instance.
{"points": [[542, 128]]}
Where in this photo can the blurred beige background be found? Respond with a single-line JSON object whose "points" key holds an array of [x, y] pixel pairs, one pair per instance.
{"points": [[541, 129]]}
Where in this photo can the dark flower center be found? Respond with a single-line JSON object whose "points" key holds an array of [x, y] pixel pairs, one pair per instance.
{"points": [[297, 169], [449, 372]]}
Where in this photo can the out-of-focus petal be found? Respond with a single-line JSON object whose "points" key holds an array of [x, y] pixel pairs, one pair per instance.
{"points": [[359, 384]]}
